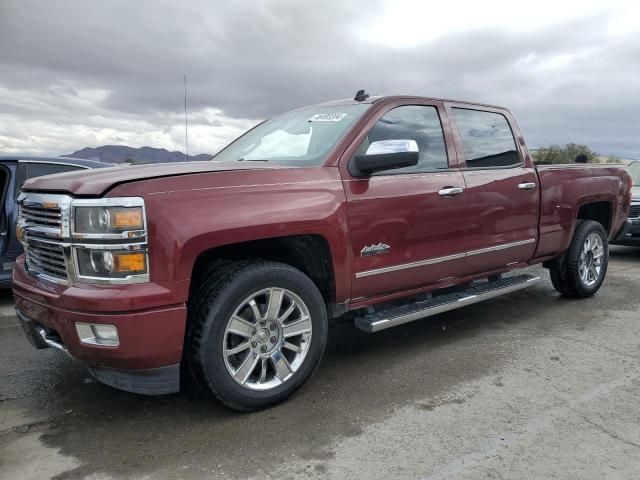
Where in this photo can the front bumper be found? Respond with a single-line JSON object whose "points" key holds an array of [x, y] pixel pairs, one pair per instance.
{"points": [[150, 340], [151, 381]]}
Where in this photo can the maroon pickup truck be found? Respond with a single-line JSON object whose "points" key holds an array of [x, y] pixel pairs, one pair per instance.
{"points": [[391, 208]]}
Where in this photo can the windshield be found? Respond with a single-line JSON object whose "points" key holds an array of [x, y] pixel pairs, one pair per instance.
{"points": [[302, 138], [634, 170]]}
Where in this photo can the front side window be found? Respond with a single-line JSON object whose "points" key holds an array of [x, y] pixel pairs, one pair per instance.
{"points": [[486, 138], [302, 138], [420, 123]]}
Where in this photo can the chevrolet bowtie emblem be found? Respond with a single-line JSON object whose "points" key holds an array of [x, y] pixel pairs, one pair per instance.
{"points": [[378, 249]]}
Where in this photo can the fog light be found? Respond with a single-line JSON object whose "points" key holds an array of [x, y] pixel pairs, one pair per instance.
{"points": [[98, 334]]}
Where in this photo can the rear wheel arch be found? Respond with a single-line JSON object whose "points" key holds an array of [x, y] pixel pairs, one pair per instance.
{"points": [[601, 212]]}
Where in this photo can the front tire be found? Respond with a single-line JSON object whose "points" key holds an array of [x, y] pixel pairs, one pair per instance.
{"points": [[580, 271], [257, 333]]}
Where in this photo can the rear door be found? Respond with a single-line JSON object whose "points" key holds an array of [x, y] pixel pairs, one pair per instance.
{"points": [[502, 188], [405, 229]]}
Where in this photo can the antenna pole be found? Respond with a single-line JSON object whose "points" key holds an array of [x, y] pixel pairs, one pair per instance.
{"points": [[186, 122]]}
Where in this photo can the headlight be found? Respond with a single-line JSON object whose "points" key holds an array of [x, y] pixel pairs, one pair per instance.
{"points": [[109, 240], [107, 220], [112, 263]]}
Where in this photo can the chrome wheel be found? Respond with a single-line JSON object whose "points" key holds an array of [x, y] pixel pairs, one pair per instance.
{"points": [[591, 259], [267, 339]]}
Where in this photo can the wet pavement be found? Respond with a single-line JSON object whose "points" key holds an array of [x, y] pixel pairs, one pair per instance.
{"points": [[529, 385]]}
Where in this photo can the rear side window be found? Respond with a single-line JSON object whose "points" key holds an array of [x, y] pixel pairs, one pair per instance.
{"points": [[412, 122], [27, 170], [487, 139]]}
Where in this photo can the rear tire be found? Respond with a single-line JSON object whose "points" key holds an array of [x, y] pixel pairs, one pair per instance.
{"points": [[580, 271], [257, 333]]}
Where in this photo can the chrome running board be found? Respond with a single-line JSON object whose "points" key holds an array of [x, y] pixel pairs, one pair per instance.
{"points": [[390, 315]]}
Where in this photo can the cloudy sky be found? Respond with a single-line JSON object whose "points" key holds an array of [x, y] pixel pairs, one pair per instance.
{"points": [[89, 73]]}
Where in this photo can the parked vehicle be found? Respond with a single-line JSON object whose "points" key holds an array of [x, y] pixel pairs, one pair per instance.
{"points": [[14, 171], [232, 268], [632, 237]]}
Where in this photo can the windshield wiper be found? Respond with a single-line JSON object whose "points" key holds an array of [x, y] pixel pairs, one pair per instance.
{"points": [[251, 160]]}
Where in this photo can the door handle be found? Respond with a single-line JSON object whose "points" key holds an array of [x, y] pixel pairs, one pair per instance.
{"points": [[450, 191], [527, 186]]}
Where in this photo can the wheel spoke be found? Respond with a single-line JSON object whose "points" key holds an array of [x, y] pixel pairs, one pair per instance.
{"points": [[256, 311], [598, 252], [303, 325], [275, 303], [241, 327], [291, 346], [281, 365], [594, 273], [237, 349], [246, 368], [263, 370]]}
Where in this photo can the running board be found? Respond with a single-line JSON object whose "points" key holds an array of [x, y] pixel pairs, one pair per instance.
{"points": [[389, 316]]}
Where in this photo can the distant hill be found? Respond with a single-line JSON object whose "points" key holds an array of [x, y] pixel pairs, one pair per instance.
{"points": [[124, 154]]}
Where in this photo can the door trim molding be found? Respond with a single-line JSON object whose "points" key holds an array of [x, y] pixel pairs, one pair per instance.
{"points": [[447, 258], [403, 266], [500, 247]]}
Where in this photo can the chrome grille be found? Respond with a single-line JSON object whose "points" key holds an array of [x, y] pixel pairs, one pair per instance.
{"points": [[48, 217], [45, 257], [44, 221], [635, 211]]}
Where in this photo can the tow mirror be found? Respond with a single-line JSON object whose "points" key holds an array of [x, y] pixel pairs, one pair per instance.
{"points": [[385, 155]]}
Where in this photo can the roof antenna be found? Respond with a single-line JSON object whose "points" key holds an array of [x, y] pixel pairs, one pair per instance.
{"points": [[361, 96], [186, 122]]}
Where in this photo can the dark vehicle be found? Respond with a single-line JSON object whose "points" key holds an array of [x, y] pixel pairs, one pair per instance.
{"points": [[632, 238], [395, 208], [14, 171]]}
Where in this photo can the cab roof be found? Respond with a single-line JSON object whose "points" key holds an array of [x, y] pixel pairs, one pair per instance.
{"points": [[374, 99]]}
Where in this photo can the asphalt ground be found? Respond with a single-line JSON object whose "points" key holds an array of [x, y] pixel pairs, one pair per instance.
{"points": [[529, 385]]}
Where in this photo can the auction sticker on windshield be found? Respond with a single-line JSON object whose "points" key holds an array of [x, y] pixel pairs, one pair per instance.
{"points": [[327, 117]]}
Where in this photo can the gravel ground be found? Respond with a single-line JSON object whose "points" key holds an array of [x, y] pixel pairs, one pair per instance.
{"points": [[529, 385]]}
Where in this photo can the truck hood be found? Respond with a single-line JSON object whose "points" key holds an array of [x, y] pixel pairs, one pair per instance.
{"points": [[635, 193], [99, 181]]}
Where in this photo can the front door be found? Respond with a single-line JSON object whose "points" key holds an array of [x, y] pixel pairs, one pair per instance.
{"points": [[406, 224]]}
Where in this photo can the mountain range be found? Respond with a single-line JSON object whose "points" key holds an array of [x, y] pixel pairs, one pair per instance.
{"points": [[124, 154]]}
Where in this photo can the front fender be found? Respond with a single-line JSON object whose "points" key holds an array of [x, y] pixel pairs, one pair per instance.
{"points": [[189, 215]]}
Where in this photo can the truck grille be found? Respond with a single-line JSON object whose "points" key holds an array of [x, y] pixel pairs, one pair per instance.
{"points": [[45, 257], [635, 211], [50, 218], [42, 219]]}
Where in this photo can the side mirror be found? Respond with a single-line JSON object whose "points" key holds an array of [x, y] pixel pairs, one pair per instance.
{"points": [[385, 155]]}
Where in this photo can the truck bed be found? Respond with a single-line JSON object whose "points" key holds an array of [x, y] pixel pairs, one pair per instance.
{"points": [[565, 188]]}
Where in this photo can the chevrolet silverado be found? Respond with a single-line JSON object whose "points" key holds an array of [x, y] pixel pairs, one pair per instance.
{"points": [[229, 271]]}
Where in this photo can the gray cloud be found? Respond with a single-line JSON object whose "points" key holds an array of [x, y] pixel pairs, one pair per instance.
{"points": [[105, 70]]}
